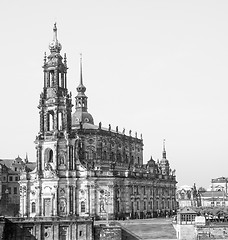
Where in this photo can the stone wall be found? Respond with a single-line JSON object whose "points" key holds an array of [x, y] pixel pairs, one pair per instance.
{"points": [[103, 232], [212, 232], [46, 228], [185, 232]]}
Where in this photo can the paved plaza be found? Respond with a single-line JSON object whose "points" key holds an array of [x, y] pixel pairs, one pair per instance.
{"points": [[148, 229]]}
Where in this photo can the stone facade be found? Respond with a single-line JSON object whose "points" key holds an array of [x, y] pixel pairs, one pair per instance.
{"points": [[46, 229], [9, 186], [188, 196], [85, 170]]}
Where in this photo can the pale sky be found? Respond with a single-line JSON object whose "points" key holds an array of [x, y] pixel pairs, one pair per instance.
{"points": [[155, 67]]}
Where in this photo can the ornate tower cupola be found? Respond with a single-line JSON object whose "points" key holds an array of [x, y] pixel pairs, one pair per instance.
{"points": [[164, 163], [55, 102], [55, 46], [81, 114]]}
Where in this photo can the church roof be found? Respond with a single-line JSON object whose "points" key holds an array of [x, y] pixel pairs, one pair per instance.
{"points": [[219, 179], [7, 162], [212, 194]]}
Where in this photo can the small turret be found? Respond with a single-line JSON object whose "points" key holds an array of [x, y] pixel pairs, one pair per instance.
{"points": [[164, 163]]}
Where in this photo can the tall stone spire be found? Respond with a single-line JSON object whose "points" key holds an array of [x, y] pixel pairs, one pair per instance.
{"points": [[81, 88], [164, 151], [81, 115]]}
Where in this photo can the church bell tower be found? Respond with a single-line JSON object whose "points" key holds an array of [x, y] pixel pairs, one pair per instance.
{"points": [[55, 102]]}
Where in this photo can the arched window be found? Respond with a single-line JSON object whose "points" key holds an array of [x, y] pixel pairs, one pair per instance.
{"points": [[90, 154], [104, 155], [51, 78], [49, 155], [50, 121], [82, 206], [126, 158], [33, 207], [118, 157], [60, 80], [112, 156], [60, 120]]}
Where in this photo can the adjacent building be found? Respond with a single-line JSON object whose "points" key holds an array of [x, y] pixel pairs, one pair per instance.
{"points": [[188, 196], [218, 195], [9, 184]]}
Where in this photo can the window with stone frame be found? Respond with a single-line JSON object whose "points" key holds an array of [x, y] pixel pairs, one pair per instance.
{"points": [[105, 155], [49, 155], [33, 207], [137, 205], [144, 205], [50, 119], [83, 207], [144, 190]]}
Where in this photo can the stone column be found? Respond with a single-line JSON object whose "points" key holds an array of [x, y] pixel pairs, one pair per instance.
{"points": [[93, 197], [73, 199], [56, 155], [38, 205], [25, 195], [55, 199], [71, 157], [55, 119], [41, 121], [111, 202], [46, 120], [127, 198], [88, 197]]}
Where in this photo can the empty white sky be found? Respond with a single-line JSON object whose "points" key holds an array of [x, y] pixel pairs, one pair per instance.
{"points": [[155, 67]]}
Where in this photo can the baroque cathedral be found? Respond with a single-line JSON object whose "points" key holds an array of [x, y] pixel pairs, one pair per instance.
{"points": [[86, 170]]}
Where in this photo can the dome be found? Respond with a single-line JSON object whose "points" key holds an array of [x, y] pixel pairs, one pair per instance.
{"points": [[55, 46], [83, 117]]}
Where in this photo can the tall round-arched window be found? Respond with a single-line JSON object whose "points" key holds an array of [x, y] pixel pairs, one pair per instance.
{"points": [[49, 155], [33, 207]]}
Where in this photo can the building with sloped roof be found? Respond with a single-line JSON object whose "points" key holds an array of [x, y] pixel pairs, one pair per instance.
{"points": [[214, 199], [9, 190], [219, 184], [188, 196]]}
